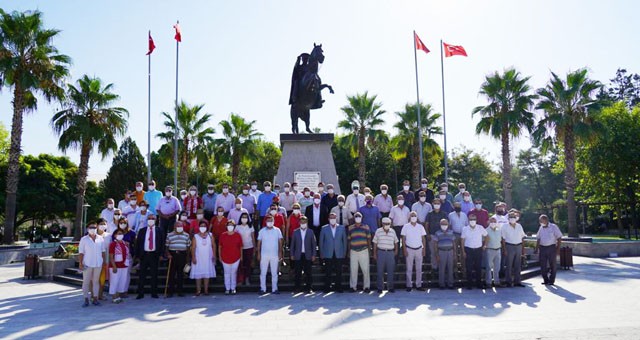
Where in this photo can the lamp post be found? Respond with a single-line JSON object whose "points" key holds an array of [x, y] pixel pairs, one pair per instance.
{"points": [[84, 216]]}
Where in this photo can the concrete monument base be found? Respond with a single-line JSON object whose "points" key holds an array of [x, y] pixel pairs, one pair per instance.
{"points": [[307, 160]]}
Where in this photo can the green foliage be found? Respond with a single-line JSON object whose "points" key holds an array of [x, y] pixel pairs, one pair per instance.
{"points": [[94, 197], [265, 164], [471, 168], [4, 143], [238, 143], [624, 88], [537, 181], [128, 167], [346, 167], [380, 168]]}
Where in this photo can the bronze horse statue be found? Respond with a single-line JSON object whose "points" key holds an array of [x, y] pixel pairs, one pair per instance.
{"points": [[306, 87]]}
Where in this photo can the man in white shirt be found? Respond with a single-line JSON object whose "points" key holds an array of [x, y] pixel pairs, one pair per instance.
{"points": [[92, 250], [473, 240], [269, 254], [512, 237], [107, 213], [355, 200], [549, 239], [414, 248]]}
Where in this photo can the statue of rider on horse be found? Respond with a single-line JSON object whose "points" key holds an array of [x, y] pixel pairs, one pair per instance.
{"points": [[306, 87]]}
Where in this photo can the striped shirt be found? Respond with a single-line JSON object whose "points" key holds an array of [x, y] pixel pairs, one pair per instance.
{"points": [[178, 242], [385, 240], [359, 237], [445, 239]]}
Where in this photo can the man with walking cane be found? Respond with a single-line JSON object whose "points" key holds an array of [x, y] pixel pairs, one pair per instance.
{"points": [[177, 245]]}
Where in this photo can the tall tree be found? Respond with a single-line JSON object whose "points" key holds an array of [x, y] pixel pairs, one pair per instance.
{"points": [[29, 65], [506, 115], [406, 142], [127, 167], [476, 172], [89, 119], [624, 87], [363, 118], [238, 143], [265, 165], [194, 136], [570, 108]]}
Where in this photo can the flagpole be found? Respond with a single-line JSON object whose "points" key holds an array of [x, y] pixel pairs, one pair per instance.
{"points": [[415, 59], [149, 120], [444, 117], [175, 132]]}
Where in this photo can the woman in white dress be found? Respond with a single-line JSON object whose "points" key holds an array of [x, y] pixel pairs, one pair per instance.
{"points": [[203, 250]]}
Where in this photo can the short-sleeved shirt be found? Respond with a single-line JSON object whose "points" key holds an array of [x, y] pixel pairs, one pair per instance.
{"points": [[457, 222], [359, 237], [399, 216], [422, 210], [93, 251], [231, 247], [512, 235], [270, 238], [494, 238], [482, 216], [168, 205], [227, 201], [152, 198], [234, 214], [249, 203], [473, 236], [383, 203], [246, 232], [549, 236], [209, 202], [371, 216], [287, 200], [385, 240], [445, 239], [178, 241], [413, 234], [433, 220]]}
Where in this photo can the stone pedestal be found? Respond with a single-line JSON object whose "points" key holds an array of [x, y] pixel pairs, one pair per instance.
{"points": [[307, 159]]}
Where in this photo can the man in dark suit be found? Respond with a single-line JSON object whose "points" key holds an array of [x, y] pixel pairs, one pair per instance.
{"points": [[333, 249], [149, 248], [317, 215], [303, 253]]}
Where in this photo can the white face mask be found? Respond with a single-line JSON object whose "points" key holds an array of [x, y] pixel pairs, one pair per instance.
{"points": [[444, 227], [414, 219], [405, 187], [307, 194], [330, 191], [123, 226], [230, 228], [273, 212], [183, 218], [340, 203], [512, 220], [152, 187], [220, 213], [210, 191], [295, 188], [143, 208], [179, 229], [103, 227], [202, 230], [466, 198], [316, 200], [443, 197], [462, 190], [423, 185], [472, 224], [267, 188], [199, 217], [138, 189], [110, 205], [92, 231], [400, 202], [225, 190], [254, 187], [296, 211], [358, 219], [119, 237], [332, 221], [386, 227], [383, 191], [168, 193], [238, 206], [270, 224], [478, 206], [303, 226], [116, 217], [493, 225], [244, 220], [445, 189], [192, 192], [132, 203], [183, 196], [320, 189], [151, 223], [286, 189], [245, 191], [423, 199], [436, 206]]}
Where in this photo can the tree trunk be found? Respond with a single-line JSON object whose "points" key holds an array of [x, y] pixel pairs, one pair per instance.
{"points": [[506, 166], [13, 168], [235, 168], [184, 166], [415, 164], [570, 180], [362, 153], [83, 171]]}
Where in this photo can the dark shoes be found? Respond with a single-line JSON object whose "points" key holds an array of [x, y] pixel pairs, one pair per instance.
{"points": [[139, 296], [155, 296]]}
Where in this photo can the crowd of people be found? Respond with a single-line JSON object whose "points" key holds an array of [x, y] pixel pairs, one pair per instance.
{"points": [[201, 235]]}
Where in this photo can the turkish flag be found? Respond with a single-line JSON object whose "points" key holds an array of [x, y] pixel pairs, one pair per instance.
{"points": [[451, 50], [178, 35], [419, 44], [152, 46]]}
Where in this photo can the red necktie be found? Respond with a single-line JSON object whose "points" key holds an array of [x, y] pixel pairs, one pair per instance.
{"points": [[151, 239]]}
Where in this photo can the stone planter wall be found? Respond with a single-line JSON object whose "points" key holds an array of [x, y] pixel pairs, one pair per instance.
{"points": [[49, 267], [604, 249]]}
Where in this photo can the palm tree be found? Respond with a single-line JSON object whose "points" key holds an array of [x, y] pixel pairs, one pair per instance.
{"points": [[569, 116], [363, 117], [237, 144], [506, 115], [406, 142], [89, 119], [194, 137], [31, 65]]}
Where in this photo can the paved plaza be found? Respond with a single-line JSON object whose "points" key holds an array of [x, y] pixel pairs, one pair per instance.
{"points": [[600, 299]]}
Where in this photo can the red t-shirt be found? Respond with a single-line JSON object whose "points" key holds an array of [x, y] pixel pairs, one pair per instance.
{"points": [[192, 227], [218, 226], [278, 222], [294, 223], [119, 253], [231, 246]]}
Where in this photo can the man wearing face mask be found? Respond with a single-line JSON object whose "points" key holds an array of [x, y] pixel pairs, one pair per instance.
{"points": [[370, 214], [494, 253], [457, 221], [399, 215], [102, 232], [422, 208], [459, 197], [385, 250], [548, 242], [130, 211], [226, 200], [264, 202], [269, 255], [446, 205], [445, 249], [359, 243], [407, 194], [209, 202], [473, 239], [152, 197], [321, 190], [287, 198], [433, 226], [177, 244], [317, 215], [253, 191], [140, 220], [329, 200], [92, 250], [344, 216], [512, 237], [276, 189], [234, 214], [248, 202], [355, 200], [424, 186], [383, 201], [448, 197], [277, 218], [306, 199], [149, 248], [414, 247], [333, 249], [303, 254], [482, 215], [501, 213], [168, 208], [139, 193], [107, 214], [125, 201], [467, 203]]}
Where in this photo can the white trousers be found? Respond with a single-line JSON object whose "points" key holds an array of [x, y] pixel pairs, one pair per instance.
{"points": [[414, 257], [230, 275], [117, 280], [266, 263], [359, 259]]}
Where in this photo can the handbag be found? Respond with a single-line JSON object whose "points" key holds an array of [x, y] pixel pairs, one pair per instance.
{"points": [[187, 268]]}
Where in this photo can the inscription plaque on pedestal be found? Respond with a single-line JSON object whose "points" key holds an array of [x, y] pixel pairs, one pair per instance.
{"points": [[307, 179]]}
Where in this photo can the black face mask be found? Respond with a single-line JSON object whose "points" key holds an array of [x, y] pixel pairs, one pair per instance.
{"points": [[457, 209], [501, 212]]}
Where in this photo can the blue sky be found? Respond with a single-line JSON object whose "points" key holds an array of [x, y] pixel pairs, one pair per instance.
{"points": [[237, 56]]}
